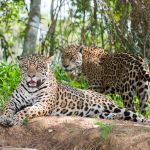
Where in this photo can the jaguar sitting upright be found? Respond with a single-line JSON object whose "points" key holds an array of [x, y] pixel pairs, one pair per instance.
{"points": [[39, 94], [119, 73]]}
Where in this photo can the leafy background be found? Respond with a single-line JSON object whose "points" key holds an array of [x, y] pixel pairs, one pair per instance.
{"points": [[116, 25]]}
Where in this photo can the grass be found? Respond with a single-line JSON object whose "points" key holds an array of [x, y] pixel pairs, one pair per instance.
{"points": [[25, 121], [10, 76], [104, 129]]}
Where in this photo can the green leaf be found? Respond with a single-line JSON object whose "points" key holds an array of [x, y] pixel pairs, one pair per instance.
{"points": [[105, 129]]}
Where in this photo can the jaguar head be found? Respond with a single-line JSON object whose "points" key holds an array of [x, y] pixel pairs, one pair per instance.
{"points": [[35, 69], [72, 58]]}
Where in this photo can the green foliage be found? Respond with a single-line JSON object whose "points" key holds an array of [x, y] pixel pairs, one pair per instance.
{"points": [[148, 110], [12, 25], [117, 99], [9, 78], [105, 129], [119, 102], [120, 26], [81, 6], [10, 12], [64, 78], [25, 121]]}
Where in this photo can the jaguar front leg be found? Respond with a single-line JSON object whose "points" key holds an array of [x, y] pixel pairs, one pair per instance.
{"points": [[37, 110], [9, 111], [17, 101]]}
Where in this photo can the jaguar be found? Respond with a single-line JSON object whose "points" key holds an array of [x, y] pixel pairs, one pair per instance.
{"points": [[40, 94], [116, 73]]}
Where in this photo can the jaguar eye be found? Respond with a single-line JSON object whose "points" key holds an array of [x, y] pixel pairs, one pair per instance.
{"points": [[25, 69], [41, 67], [73, 58], [38, 68]]}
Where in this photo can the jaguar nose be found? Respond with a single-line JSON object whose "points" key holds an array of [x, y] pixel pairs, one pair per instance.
{"points": [[31, 75], [66, 66]]}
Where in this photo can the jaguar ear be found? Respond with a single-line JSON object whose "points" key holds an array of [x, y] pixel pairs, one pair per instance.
{"points": [[50, 60], [19, 58], [80, 48]]}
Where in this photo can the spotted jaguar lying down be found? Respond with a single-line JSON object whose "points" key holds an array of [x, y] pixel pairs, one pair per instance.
{"points": [[39, 94]]}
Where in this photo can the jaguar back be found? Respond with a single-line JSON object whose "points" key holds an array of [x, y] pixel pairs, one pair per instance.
{"points": [[120, 73]]}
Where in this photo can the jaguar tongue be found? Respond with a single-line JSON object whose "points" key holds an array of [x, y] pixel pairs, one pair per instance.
{"points": [[32, 83]]}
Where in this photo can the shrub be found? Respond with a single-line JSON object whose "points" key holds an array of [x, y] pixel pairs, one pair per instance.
{"points": [[64, 78], [9, 78]]}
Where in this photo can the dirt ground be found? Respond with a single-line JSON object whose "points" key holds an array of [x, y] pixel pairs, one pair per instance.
{"points": [[74, 133]]}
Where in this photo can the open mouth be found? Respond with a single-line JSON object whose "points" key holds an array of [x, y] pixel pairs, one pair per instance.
{"points": [[32, 83], [70, 70]]}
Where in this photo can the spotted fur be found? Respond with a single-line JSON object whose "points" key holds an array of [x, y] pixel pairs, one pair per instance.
{"points": [[39, 94], [119, 73]]}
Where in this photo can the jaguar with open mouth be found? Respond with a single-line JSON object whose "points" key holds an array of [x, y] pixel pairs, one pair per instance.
{"points": [[33, 83]]}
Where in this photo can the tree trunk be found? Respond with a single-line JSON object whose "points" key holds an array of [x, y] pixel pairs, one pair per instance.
{"points": [[94, 23], [31, 32], [83, 30], [52, 29], [49, 44], [50, 36]]}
